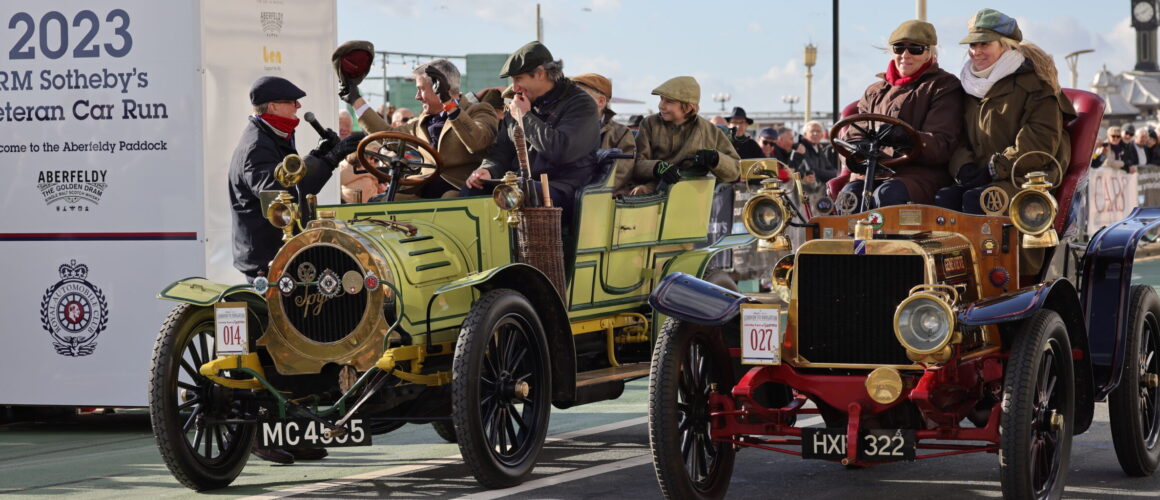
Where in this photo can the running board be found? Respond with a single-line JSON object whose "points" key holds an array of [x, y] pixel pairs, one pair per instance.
{"points": [[612, 374]]}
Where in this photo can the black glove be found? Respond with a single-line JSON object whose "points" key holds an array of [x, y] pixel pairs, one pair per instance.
{"points": [[337, 151], [666, 172], [972, 176], [896, 138], [706, 158], [439, 83], [348, 92]]}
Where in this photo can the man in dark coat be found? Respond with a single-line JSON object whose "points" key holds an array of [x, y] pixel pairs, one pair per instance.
{"points": [[739, 123], [266, 140], [557, 117]]}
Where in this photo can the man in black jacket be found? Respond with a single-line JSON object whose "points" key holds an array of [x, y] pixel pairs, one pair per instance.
{"points": [[266, 140], [559, 127]]}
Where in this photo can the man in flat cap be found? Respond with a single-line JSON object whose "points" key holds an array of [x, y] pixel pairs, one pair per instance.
{"points": [[677, 141], [559, 127], [266, 140], [612, 135], [457, 125]]}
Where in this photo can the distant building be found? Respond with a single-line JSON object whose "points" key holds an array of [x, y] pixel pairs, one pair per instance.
{"points": [[1135, 94]]}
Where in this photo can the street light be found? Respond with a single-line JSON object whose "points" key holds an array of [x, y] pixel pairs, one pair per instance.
{"points": [[791, 100], [722, 98], [1073, 61], [811, 59]]}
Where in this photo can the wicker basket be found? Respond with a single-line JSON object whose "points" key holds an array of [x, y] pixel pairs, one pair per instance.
{"points": [[540, 244]]}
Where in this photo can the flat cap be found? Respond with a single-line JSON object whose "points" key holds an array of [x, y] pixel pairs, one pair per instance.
{"points": [[493, 97], [595, 82], [352, 60], [989, 25], [914, 31], [274, 88], [525, 59], [767, 133], [681, 88]]}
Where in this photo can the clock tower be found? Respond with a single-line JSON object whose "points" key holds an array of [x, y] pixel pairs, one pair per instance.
{"points": [[1144, 20]]}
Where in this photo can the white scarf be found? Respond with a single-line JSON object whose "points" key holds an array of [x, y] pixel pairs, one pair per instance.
{"points": [[979, 84]]}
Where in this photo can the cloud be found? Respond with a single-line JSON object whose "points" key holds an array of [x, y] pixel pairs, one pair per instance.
{"points": [[755, 27]]}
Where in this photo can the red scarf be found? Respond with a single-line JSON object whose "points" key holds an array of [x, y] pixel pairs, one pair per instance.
{"points": [[282, 124], [896, 79]]}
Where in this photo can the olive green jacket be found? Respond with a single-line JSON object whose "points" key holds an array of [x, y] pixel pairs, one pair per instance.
{"points": [[463, 142], [614, 135], [658, 140], [1019, 114]]}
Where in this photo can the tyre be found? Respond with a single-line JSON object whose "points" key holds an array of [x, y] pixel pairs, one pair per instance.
{"points": [[445, 430], [688, 362], [501, 389], [202, 456], [1132, 405], [1038, 410]]}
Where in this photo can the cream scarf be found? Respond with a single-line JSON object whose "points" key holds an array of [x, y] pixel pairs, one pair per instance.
{"points": [[979, 83]]}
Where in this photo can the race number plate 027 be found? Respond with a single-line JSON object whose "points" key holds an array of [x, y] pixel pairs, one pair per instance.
{"points": [[760, 334], [306, 433], [229, 325], [875, 445]]}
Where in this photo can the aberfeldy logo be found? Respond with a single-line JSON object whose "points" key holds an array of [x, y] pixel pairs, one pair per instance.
{"points": [[72, 190]]}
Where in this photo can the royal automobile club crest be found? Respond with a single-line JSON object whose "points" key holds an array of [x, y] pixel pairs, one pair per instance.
{"points": [[72, 190], [74, 312], [272, 23]]}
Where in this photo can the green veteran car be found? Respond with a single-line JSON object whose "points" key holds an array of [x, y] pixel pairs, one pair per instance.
{"points": [[436, 311]]}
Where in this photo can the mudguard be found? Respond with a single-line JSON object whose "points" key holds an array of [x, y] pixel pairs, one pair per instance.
{"points": [[694, 263], [1014, 306], [202, 292], [690, 299], [1107, 276]]}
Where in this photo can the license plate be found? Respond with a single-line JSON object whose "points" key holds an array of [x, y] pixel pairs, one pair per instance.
{"points": [[876, 445], [306, 433]]}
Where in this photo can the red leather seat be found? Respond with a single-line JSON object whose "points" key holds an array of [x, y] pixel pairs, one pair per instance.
{"points": [[1083, 129], [835, 185]]}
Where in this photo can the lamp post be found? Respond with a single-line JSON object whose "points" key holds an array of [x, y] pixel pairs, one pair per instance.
{"points": [[1073, 61], [810, 60], [791, 100], [722, 97]]}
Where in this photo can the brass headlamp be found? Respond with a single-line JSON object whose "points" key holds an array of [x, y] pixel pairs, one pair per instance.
{"points": [[1033, 211], [924, 321], [290, 171], [509, 197], [766, 216], [283, 214]]}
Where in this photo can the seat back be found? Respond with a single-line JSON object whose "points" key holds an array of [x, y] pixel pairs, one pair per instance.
{"points": [[1089, 109], [835, 185]]}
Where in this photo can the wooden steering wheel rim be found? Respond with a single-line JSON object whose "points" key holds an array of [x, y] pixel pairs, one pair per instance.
{"points": [[915, 139], [413, 180]]}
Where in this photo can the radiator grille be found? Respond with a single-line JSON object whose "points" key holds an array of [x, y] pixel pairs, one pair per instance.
{"points": [[332, 319], [846, 306]]}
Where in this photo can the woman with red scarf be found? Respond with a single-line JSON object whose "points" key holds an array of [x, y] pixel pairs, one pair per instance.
{"points": [[915, 90]]}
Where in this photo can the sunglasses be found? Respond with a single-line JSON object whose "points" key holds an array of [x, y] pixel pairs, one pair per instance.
{"points": [[1114, 136], [767, 143], [915, 50]]}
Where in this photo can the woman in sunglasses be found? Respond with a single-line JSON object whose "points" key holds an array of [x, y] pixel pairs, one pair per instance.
{"points": [[1111, 153], [1013, 106], [915, 90]]}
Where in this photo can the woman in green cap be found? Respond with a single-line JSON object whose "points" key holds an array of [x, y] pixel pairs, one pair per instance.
{"points": [[1013, 106], [915, 90]]}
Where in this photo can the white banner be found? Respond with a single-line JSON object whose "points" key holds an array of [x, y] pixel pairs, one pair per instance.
{"points": [[1112, 194], [117, 120]]}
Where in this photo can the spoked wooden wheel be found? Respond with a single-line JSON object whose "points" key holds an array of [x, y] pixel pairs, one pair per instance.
{"points": [[689, 363], [501, 388], [185, 408], [1133, 404]]}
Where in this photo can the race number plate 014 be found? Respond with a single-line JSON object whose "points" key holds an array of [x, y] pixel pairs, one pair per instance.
{"points": [[876, 445], [760, 334], [229, 325], [306, 433]]}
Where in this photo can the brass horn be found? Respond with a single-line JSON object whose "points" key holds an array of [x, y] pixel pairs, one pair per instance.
{"points": [[290, 171]]}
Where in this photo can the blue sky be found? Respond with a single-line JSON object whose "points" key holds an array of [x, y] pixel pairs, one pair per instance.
{"points": [[751, 50]]}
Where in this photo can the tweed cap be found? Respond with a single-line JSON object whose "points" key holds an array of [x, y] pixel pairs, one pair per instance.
{"points": [[352, 60], [595, 82], [681, 88], [914, 31], [988, 25], [525, 59], [274, 88]]}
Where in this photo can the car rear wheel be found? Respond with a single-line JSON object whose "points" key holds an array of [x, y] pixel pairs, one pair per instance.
{"points": [[1133, 404], [1038, 410], [501, 389], [183, 404], [688, 363], [445, 430]]}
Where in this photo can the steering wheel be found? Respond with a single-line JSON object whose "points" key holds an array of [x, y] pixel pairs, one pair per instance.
{"points": [[399, 154], [865, 148]]}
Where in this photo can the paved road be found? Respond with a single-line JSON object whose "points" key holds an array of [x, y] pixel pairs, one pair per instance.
{"points": [[595, 451]]}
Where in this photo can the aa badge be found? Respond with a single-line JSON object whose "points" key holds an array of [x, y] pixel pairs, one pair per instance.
{"points": [[74, 312]]}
